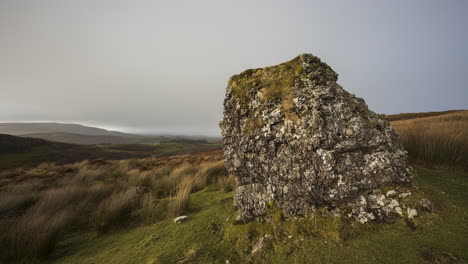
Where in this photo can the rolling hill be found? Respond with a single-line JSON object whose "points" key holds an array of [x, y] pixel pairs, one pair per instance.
{"points": [[18, 129], [16, 152], [74, 138], [86, 135], [29, 152]]}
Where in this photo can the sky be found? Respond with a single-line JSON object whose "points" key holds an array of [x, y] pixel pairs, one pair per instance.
{"points": [[144, 66]]}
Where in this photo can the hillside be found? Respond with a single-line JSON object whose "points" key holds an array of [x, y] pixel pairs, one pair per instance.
{"points": [[85, 135], [74, 138], [407, 116], [12, 144], [434, 138], [16, 152], [17, 129], [29, 152]]}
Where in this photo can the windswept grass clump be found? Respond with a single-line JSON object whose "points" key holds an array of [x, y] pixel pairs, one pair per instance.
{"points": [[179, 203], [227, 184], [114, 210], [436, 141], [35, 235], [47, 202]]}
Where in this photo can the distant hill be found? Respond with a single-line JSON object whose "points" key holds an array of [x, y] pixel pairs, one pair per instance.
{"points": [[74, 138], [18, 129], [405, 116], [86, 135], [28, 152], [13, 144]]}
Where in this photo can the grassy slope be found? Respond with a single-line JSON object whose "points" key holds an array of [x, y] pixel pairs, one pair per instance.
{"points": [[406, 116], [64, 153], [164, 241], [440, 235]]}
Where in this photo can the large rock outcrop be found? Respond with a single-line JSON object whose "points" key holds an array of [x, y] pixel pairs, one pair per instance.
{"points": [[296, 140]]}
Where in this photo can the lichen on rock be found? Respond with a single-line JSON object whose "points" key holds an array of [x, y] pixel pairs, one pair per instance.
{"points": [[296, 138]]}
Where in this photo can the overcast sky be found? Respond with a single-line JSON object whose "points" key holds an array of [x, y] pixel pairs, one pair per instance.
{"points": [[162, 66]]}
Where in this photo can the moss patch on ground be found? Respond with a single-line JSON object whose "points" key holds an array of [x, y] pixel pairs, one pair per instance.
{"points": [[210, 235]]}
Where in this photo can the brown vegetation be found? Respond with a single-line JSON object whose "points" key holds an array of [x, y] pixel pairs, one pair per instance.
{"points": [[436, 140], [40, 205], [406, 116]]}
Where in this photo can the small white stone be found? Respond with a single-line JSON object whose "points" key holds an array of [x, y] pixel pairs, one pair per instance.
{"points": [[180, 219], [391, 193]]}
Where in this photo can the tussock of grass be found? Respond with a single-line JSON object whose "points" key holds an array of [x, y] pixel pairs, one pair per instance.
{"points": [[34, 235], [227, 184], [435, 141], [179, 203], [11, 203], [114, 210]]}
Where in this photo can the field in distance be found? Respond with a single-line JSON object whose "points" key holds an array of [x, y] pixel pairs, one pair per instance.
{"points": [[16, 152]]}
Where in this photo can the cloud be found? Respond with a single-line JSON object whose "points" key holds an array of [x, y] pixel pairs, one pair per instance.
{"points": [[163, 65]]}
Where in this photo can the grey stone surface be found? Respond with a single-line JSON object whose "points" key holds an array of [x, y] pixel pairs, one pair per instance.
{"points": [[296, 140]]}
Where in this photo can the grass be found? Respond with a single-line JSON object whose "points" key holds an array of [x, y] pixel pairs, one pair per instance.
{"points": [[440, 140], [114, 210], [180, 202], [121, 212], [405, 116], [97, 197], [210, 235], [163, 241]]}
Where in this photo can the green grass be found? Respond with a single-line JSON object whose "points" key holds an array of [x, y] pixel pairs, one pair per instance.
{"points": [[164, 241], [207, 237]]}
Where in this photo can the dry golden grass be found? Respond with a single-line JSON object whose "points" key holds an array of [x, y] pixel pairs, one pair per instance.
{"points": [[114, 210], [179, 203], [34, 235], [39, 205], [437, 140], [227, 184]]}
